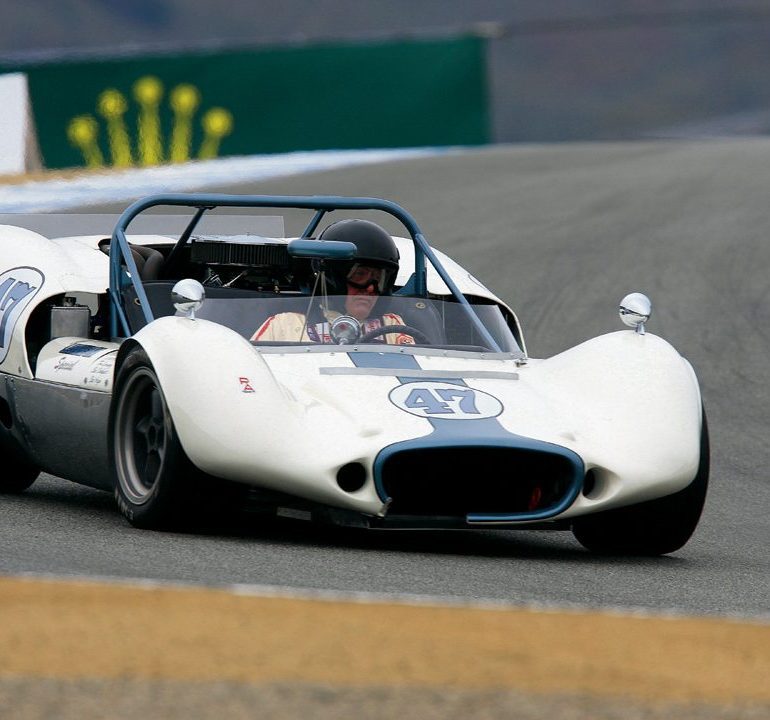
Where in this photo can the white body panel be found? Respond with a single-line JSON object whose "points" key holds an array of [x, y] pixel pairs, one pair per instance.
{"points": [[92, 370], [627, 404]]}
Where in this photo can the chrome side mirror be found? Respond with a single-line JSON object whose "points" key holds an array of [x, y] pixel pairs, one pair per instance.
{"points": [[345, 330], [635, 310], [187, 296]]}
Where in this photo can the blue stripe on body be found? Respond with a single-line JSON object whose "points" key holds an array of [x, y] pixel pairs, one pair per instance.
{"points": [[485, 432], [384, 360]]}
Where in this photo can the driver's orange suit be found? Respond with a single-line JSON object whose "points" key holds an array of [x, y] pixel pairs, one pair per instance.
{"points": [[291, 327]]}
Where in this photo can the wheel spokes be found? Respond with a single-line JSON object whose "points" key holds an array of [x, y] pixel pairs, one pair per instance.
{"points": [[149, 437], [152, 463], [156, 406], [142, 428]]}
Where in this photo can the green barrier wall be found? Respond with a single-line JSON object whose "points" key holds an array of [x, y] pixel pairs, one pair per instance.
{"points": [[166, 108]]}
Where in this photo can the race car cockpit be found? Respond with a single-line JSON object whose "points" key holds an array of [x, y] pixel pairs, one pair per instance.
{"points": [[246, 279]]}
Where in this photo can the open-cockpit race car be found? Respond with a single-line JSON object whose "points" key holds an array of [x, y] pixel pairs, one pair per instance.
{"points": [[147, 363]]}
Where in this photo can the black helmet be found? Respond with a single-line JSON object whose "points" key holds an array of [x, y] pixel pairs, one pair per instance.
{"points": [[374, 247]]}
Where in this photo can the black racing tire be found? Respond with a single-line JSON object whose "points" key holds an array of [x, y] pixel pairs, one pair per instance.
{"points": [[155, 484], [656, 527], [16, 472]]}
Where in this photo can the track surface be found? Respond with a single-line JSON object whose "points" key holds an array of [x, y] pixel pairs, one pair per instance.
{"points": [[562, 233]]}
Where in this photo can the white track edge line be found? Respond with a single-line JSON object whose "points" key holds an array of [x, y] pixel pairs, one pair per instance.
{"points": [[399, 599]]}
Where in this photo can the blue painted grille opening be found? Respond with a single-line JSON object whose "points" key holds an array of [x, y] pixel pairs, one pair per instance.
{"points": [[457, 481]]}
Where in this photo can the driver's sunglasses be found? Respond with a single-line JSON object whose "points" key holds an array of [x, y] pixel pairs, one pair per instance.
{"points": [[363, 277]]}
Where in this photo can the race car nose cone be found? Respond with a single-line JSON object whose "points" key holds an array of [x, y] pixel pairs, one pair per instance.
{"points": [[635, 310]]}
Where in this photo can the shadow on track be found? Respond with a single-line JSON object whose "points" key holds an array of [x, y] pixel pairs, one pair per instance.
{"points": [[81, 506], [557, 545]]}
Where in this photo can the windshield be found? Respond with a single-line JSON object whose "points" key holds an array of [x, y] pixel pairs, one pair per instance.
{"points": [[287, 319]]}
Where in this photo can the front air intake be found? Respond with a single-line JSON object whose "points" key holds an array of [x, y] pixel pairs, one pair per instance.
{"points": [[489, 481]]}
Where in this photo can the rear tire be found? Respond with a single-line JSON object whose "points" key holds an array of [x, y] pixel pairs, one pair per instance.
{"points": [[656, 527], [156, 485], [16, 474]]}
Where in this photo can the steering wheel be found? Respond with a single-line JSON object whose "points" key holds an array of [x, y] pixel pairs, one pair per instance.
{"points": [[418, 335]]}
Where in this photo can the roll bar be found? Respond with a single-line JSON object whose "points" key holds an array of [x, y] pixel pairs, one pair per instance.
{"points": [[322, 204]]}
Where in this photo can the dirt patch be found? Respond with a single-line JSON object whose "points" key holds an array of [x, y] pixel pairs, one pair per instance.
{"points": [[72, 631]]}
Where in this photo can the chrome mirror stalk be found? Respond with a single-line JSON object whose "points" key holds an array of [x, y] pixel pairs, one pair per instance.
{"points": [[635, 310], [187, 296]]}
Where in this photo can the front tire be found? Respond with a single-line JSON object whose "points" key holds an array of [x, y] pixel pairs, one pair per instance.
{"points": [[652, 528], [156, 485]]}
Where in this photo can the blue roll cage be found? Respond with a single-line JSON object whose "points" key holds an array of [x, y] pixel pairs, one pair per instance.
{"points": [[125, 273]]}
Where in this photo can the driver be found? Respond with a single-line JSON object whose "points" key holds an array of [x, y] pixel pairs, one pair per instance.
{"points": [[362, 280]]}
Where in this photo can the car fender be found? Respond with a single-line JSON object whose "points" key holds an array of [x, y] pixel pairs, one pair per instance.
{"points": [[235, 420], [631, 406]]}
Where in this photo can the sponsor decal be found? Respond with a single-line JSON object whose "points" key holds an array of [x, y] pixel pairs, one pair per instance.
{"points": [[100, 372], [103, 366], [17, 287], [246, 385], [444, 401], [82, 349], [66, 363], [144, 144]]}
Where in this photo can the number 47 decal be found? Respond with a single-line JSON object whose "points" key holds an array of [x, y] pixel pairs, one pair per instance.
{"points": [[17, 288], [446, 401], [442, 401]]}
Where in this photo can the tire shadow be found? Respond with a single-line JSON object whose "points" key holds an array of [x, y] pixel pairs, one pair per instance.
{"points": [[74, 503]]}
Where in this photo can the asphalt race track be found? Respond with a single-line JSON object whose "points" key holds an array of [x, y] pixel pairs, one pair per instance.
{"points": [[561, 233]]}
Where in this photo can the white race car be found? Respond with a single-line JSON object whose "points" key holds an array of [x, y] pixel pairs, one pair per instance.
{"points": [[147, 363]]}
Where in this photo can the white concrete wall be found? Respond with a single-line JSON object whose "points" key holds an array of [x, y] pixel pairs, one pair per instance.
{"points": [[18, 142]]}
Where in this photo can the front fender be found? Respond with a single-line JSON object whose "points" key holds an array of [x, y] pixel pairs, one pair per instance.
{"points": [[635, 414], [235, 420]]}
